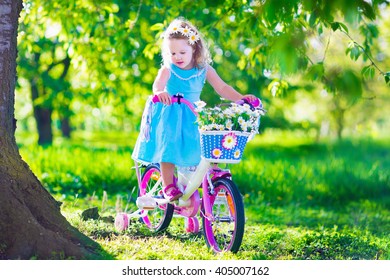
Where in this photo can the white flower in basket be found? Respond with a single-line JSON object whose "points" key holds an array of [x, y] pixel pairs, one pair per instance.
{"points": [[225, 131]]}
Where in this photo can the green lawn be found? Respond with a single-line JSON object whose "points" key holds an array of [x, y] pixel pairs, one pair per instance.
{"points": [[303, 200]]}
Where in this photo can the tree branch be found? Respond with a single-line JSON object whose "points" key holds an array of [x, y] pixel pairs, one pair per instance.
{"points": [[364, 51]]}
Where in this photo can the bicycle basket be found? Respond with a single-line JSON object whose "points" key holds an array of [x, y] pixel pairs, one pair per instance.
{"points": [[223, 146]]}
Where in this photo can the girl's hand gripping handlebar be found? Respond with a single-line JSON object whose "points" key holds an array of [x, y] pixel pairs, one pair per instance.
{"points": [[178, 99], [255, 103]]}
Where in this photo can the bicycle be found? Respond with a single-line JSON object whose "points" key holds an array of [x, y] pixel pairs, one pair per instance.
{"points": [[220, 207]]}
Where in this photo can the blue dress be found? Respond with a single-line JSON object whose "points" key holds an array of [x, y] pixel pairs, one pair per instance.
{"points": [[169, 133]]}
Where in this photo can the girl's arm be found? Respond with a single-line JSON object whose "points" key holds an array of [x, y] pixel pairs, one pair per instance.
{"points": [[159, 85], [222, 88]]}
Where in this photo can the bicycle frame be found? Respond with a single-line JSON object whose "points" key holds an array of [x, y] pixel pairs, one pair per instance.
{"points": [[198, 177], [202, 175], [195, 180]]}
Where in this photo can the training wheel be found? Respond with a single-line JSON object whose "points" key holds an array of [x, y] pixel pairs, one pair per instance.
{"points": [[192, 224], [121, 221]]}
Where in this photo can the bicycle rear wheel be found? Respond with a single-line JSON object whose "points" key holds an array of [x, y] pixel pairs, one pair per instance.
{"points": [[225, 229], [160, 217]]}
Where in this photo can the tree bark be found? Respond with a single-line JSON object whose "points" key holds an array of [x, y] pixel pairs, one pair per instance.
{"points": [[31, 224], [42, 114], [66, 129]]}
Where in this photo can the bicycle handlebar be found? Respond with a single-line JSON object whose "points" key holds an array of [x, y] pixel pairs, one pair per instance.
{"points": [[256, 104], [178, 99]]}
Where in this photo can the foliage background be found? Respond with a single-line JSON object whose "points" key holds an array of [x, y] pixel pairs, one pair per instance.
{"points": [[91, 64]]}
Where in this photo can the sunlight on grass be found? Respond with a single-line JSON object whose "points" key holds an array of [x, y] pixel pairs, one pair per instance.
{"points": [[303, 200]]}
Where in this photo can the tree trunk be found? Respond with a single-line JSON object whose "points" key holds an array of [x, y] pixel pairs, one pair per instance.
{"points": [[339, 116], [31, 224], [66, 129], [42, 117]]}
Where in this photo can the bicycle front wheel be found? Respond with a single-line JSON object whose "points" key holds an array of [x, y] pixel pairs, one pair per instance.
{"points": [[160, 217], [224, 230]]}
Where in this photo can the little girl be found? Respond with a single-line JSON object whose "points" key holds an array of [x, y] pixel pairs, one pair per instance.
{"points": [[169, 133]]}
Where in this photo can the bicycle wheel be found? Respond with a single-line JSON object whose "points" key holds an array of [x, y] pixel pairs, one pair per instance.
{"points": [[225, 229], [159, 218]]}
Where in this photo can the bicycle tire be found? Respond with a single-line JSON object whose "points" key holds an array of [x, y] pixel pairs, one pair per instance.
{"points": [[158, 219], [225, 230]]}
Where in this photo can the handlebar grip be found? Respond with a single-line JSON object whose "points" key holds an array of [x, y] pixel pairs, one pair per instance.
{"points": [[155, 99], [255, 103], [177, 99]]}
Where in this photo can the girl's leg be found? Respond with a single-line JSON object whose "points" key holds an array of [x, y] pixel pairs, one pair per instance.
{"points": [[167, 172], [170, 190]]}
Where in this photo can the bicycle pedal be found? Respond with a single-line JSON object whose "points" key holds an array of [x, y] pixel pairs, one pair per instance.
{"points": [[146, 202], [148, 208]]}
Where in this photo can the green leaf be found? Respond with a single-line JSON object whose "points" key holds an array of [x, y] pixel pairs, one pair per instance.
{"points": [[313, 18], [373, 30], [316, 71], [355, 52], [367, 10], [157, 27], [343, 27], [335, 26], [339, 25], [320, 29], [387, 77], [368, 72]]}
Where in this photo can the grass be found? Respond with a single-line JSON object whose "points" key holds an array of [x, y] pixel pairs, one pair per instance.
{"points": [[303, 200]]}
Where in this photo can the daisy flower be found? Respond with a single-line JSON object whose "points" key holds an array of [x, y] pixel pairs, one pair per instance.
{"points": [[185, 31], [174, 28], [235, 117], [244, 126], [193, 38], [246, 107], [229, 124], [237, 153], [216, 153], [200, 104], [228, 113], [229, 141]]}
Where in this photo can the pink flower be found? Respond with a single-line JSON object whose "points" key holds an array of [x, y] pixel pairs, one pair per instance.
{"points": [[229, 141]]}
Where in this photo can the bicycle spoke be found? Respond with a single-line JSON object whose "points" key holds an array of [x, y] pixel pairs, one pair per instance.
{"points": [[225, 230], [159, 218]]}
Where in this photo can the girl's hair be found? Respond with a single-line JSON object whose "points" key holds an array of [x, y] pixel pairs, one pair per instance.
{"points": [[201, 52]]}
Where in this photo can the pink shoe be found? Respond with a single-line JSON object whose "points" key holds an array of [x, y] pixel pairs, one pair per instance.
{"points": [[172, 192]]}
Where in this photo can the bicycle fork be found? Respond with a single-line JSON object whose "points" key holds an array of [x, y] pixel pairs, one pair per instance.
{"points": [[208, 190]]}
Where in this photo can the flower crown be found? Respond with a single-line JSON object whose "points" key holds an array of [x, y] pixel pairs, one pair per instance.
{"points": [[186, 31]]}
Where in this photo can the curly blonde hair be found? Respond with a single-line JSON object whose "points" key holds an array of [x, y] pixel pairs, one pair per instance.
{"points": [[201, 54]]}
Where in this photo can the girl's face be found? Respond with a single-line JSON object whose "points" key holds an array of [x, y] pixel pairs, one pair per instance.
{"points": [[181, 53]]}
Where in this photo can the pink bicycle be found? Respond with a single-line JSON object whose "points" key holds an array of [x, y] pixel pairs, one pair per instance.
{"points": [[209, 193]]}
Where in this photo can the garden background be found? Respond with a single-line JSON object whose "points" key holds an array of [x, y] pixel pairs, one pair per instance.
{"points": [[315, 182]]}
